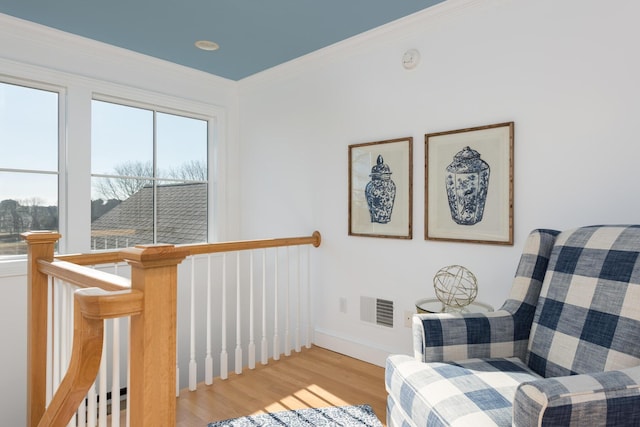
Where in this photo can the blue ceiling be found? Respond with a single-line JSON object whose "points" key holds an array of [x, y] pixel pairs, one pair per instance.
{"points": [[253, 35]]}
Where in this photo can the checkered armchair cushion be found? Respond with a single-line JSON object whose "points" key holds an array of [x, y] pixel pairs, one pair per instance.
{"points": [[503, 333], [588, 316], [563, 350]]}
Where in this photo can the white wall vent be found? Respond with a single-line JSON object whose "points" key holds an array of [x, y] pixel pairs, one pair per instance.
{"points": [[376, 310]]}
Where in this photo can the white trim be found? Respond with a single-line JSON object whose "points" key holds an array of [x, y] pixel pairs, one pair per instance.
{"points": [[351, 346], [15, 267]]}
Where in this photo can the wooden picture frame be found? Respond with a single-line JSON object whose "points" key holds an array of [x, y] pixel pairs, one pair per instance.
{"points": [[469, 185], [381, 189]]}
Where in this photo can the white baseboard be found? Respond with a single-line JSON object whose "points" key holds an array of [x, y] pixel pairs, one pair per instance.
{"points": [[350, 347]]}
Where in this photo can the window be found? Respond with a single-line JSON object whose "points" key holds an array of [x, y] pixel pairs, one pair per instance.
{"points": [[29, 141], [149, 176]]}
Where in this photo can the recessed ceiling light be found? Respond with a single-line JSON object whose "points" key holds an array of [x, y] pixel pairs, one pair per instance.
{"points": [[207, 45]]}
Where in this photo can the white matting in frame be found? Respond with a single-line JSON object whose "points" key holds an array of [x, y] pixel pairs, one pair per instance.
{"points": [[380, 188], [469, 185]]}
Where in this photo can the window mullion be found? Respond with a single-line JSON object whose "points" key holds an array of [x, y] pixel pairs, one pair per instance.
{"points": [[155, 176]]}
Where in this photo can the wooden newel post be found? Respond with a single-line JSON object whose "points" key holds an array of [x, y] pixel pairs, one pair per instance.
{"points": [[41, 245], [154, 271]]}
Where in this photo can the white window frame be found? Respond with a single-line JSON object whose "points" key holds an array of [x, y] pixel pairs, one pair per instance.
{"points": [[62, 97], [74, 183], [211, 135]]}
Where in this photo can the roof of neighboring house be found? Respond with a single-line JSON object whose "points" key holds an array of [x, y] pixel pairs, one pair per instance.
{"points": [[181, 211]]}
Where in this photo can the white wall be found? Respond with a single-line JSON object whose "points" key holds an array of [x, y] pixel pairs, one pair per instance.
{"points": [[566, 74], [81, 66]]}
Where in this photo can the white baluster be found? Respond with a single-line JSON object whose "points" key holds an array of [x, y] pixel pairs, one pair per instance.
{"points": [[192, 330], [59, 305], [102, 374], [287, 321], [115, 374], [208, 361], [50, 317], [252, 345], [177, 371], [299, 299], [238, 318], [308, 298], [92, 410], [224, 369], [127, 397], [264, 359], [276, 338], [69, 338], [82, 413]]}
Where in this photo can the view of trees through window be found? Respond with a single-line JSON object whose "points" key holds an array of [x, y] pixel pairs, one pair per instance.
{"points": [[149, 177], [149, 171], [28, 164]]}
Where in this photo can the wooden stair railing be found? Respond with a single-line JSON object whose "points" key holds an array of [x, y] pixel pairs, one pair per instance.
{"points": [[91, 307], [150, 299]]}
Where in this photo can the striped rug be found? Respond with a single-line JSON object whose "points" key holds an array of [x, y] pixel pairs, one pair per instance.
{"points": [[334, 416]]}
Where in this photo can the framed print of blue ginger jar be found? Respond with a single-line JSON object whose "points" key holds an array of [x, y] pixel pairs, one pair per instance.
{"points": [[380, 192], [379, 205], [467, 183]]}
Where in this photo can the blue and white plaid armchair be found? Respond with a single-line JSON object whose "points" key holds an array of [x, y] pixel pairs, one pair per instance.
{"points": [[564, 349]]}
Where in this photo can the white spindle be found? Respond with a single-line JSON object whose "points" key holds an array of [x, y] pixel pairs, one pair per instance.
{"points": [[177, 369], [264, 356], [82, 413], [224, 370], [193, 367], [299, 299], [70, 328], [128, 400], [115, 374], [102, 399], [92, 410], [177, 373], [308, 299], [208, 361], [59, 305], [50, 317], [287, 309], [238, 363], [252, 346], [276, 338]]}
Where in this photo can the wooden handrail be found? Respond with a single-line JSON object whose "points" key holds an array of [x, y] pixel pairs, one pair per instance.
{"points": [[83, 277], [208, 248], [91, 307], [199, 248]]}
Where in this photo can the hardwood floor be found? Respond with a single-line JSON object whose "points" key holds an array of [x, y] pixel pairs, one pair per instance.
{"points": [[313, 378]]}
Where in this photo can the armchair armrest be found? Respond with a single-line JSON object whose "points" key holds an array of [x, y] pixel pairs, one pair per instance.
{"points": [[444, 337], [606, 398]]}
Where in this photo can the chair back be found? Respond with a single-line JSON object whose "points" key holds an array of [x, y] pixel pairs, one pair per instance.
{"points": [[588, 314]]}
